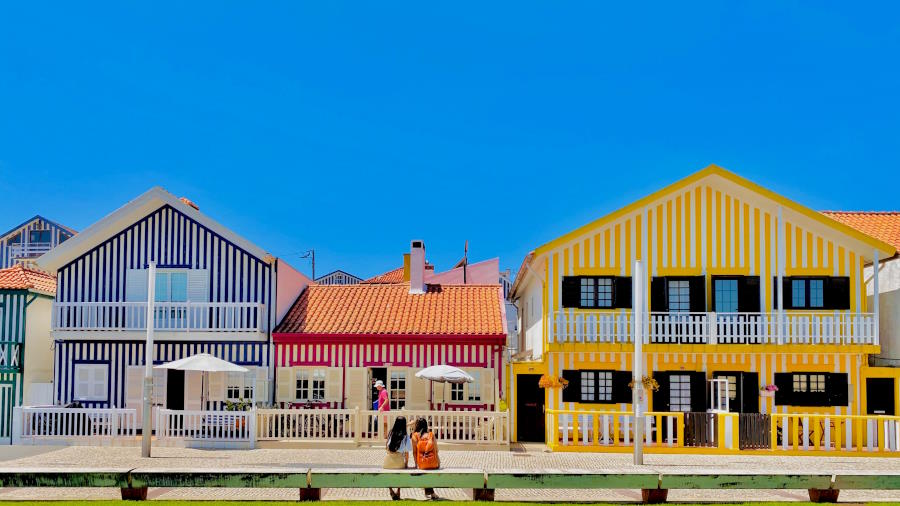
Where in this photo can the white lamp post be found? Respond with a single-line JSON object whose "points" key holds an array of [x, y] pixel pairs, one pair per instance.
{"points": [[148, 362], [638, 390]]}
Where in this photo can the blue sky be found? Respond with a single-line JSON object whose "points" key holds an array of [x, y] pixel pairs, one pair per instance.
{"points": [[352, 128]]}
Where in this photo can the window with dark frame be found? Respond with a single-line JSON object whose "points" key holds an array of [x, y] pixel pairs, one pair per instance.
{"points": [[680, 393], [596, 292], [39, 236], [679, 296], [726, 295], [596, 386], [807, 293]]}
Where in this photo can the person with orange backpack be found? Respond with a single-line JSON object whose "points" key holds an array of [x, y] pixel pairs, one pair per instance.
{"points": [[425, 451]]}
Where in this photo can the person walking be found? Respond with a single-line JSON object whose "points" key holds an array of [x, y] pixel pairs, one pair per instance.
{"points": [[398, 446], [383, 404], [425, 451]]}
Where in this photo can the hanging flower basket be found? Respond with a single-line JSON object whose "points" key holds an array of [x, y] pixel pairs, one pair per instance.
{"points": [[548, 381], [768, 391], [648, 382]]}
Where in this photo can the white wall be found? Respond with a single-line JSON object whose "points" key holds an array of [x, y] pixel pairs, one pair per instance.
{"points": [[290, 282], [889, 309], [38, 345], [530, 308]]}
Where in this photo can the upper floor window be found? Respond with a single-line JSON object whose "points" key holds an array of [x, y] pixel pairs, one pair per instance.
{"points": [[16, 239], [602, 292], [816, 293], [726, 295], [171, 287], [42, 236], [679, 296]]}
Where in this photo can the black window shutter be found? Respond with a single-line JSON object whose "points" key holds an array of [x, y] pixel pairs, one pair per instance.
{"points": [[658, 300], [571, 291], [572, 393], [786, 283], [698, 294], [749, 392], [699, 392], [838, 389], [622, 292], [661, 396], [748, 294], [785, 383], [837, 293], [621, 391]]}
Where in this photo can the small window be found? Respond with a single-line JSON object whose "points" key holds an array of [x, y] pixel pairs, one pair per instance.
{"points": [[16, 239], [680, 393], [457, 392], [311, 385], [726, 295], [239, 386], [91, 382], [39, 236], [679, 296], [596, 386], [604, 292], [816, 292], [587, 292], [398, 389], [798, 293], [588, 387]]}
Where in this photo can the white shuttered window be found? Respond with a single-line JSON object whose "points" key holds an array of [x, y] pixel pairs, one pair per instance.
{"points": [[91, 382]]}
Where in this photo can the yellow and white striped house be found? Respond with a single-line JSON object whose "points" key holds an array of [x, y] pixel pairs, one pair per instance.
{"points": [[716, 251]]}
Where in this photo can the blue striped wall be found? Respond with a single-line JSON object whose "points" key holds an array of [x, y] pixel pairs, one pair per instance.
{"points": [[12, 328], [37, 223], [121, 354], [172, 239]]}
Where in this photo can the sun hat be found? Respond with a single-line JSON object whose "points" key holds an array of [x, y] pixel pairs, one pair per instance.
{"points": [[379, 383]]}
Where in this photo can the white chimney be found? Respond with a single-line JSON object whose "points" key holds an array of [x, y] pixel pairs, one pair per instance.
{"points": [[417, 267]]}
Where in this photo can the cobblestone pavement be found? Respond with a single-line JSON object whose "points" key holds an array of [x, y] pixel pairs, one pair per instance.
{"points": [[525, 458]]}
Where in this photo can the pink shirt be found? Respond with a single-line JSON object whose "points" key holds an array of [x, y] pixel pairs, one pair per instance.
{"points": [[383, 400]]}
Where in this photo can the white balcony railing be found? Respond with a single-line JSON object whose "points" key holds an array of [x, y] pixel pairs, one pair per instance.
{"points": [[30, 250], [167, 316], [838, 327]]}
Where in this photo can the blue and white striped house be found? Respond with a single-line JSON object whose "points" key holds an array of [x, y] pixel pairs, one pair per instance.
{"points": [[31, 239], [214, 292]]}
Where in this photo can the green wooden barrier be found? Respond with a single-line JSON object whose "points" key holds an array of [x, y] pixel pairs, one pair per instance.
{"points": [[573, 479], [745, 481], [867, 482], [354, 478], [231, 478], [43, 477]]}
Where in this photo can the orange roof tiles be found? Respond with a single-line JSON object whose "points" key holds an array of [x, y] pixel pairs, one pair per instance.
{"points": [[389, 309], [26, 278], [394, 276], [882, 225]]}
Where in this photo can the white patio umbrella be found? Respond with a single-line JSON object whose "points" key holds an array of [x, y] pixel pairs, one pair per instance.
{"points": [[444, 374], [205, 363]]}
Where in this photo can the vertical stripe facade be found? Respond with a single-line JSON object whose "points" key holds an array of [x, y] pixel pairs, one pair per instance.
{"points": [[418, 355], [13, 304], [173, 240], [7, 250], [118, 355]]}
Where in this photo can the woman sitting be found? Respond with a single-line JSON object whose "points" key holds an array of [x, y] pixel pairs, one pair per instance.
{"points": [[425, 451], [398, 447]]}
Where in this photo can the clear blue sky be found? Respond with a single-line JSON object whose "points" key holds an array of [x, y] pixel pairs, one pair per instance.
{"points": [[353, 127]]}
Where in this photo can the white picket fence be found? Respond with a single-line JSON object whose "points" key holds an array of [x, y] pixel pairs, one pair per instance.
{"points": [[242, 429], [74, 426]]}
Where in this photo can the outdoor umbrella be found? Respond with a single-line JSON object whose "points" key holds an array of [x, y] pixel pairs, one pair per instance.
{"points": [[206, 363], [445, 374]]}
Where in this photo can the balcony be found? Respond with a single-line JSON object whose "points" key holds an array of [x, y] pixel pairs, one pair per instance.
{"points": [[29, 250], [836, 328], [168, 317]]}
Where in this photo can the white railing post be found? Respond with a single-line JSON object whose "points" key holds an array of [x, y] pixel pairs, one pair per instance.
{"points": [[711, 324], [17, 425]]}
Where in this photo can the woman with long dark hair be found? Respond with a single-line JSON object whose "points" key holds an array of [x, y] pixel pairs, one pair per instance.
{"points": [[425, 451], [398, 446]]}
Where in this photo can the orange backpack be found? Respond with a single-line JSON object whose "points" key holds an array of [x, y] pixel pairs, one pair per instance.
{"points": [[426, 452]]}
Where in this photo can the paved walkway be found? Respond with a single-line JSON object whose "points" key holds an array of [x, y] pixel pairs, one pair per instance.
{"points": [[523, 458]]}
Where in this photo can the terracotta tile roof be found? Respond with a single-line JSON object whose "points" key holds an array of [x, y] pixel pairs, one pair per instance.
{"points": [[883, 225], [389, 309], [394, 276], [26, 278]]}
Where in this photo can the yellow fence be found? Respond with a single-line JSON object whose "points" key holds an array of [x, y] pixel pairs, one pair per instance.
{"points": [[675, 432]]}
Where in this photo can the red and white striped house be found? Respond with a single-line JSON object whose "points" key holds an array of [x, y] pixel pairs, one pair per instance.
{"points": [[337, 340]]}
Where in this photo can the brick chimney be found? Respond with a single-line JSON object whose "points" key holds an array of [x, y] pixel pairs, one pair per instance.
{"points": [[417, 266]]}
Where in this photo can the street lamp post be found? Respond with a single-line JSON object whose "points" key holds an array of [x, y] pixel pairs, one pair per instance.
{"points": [[638, 390], [148, 362]]}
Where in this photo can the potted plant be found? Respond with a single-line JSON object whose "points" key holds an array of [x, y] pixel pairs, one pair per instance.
{"points": [[768, 391], [239, 405], [548, 381], [648, 382]]}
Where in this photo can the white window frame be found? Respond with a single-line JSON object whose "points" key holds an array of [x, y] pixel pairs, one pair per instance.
{"points": [[683, 397], [473, 390], [93, 368], [315, 378], [395, 377], [240, 382], [679, 296]]}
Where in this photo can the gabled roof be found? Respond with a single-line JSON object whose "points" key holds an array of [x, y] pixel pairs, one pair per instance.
{"points": [[389, 309], [336, 271], [883, 225], [37, 217], [131, 212], [389, 277], [19, 277]]}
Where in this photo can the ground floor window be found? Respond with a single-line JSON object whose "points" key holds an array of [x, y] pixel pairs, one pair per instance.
{"points": [[91, 382], [680, 392], [311, 385], [239, 386], [474, 388], [398, 389]]}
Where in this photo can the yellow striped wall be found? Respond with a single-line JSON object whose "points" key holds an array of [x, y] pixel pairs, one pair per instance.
{"points": [[712, 226]]}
